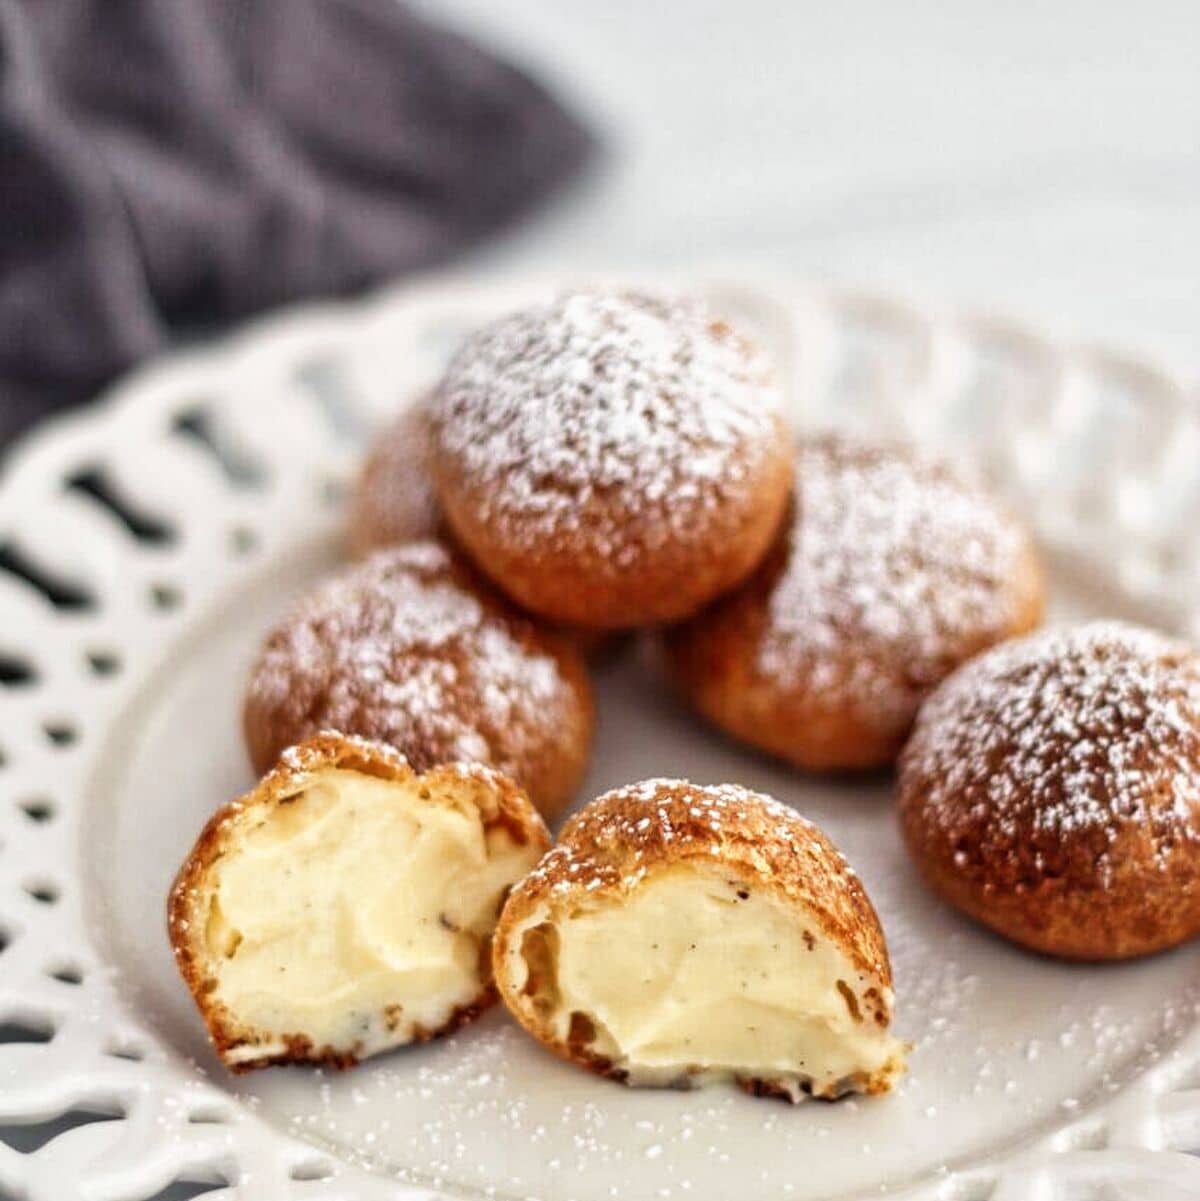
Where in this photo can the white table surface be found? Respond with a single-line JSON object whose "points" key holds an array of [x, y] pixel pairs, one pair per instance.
{"points": [[1042, 160]]}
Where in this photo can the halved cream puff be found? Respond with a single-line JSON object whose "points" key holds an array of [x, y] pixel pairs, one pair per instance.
{"points": [[680, 934], [346, 905]]}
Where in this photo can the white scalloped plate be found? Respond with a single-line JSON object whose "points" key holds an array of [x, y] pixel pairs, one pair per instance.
{"points": [[119, 697]]}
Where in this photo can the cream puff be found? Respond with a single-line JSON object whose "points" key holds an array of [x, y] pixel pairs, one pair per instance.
{"points": [[892, 569], [1051, 790], [411, 648], [395, 499], [678, 935], [346, 905], [611, 458]]}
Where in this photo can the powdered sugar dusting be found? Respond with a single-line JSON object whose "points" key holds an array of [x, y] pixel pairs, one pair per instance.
{"points": [[399, 650], [897, 568], [629, 405], [1084, 733]]}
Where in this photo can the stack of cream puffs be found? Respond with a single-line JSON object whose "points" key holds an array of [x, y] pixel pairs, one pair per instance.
{"points": [[616, 460]]}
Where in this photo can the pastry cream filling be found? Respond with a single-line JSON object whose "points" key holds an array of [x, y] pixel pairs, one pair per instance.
{"points": [[356, 913], [692, 973]]}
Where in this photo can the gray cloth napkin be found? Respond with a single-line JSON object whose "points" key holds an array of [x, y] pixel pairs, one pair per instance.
{"points": [[168, 164]]}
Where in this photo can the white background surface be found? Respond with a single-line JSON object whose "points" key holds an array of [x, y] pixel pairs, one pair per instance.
{"points": [[1042, 160]]}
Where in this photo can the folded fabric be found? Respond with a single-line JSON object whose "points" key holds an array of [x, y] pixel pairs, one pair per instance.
{"points": [[167, 165]]}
